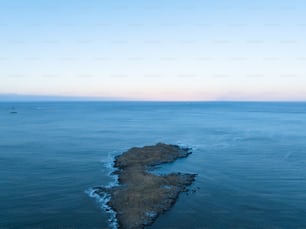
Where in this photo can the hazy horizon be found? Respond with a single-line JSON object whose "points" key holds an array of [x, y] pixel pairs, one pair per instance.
{"points": [[59, 98]]}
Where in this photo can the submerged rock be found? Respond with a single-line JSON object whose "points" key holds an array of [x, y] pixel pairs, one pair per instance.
{"points": [[141, 196]]}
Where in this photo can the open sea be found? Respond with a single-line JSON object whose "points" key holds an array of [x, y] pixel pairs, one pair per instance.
{"points": [[250, 159]]}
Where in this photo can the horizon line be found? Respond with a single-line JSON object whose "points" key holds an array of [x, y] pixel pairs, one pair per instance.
{"points": [[11, 97]]}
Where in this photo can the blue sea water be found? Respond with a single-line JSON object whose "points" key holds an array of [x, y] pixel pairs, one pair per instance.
{"points": [[250, 159]]}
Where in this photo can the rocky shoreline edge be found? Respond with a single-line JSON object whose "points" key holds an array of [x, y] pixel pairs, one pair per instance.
{"points": [[141, 196]]}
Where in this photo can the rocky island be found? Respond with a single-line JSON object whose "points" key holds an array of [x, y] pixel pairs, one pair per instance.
{"points": [[141, 196]]}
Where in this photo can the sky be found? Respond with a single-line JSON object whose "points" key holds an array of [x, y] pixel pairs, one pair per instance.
{"points": [[199, 50]]}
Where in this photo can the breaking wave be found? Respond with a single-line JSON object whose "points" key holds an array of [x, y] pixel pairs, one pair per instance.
{"points": [[103, 198]]}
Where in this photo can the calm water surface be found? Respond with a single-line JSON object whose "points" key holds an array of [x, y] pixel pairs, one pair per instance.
{"points": [[250, 159]]}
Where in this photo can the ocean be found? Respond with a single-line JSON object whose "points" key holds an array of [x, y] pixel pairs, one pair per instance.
{"points": [[250, 159]]}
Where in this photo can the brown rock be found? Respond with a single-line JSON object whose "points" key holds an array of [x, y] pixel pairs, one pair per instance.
{"points": [[141, 196]]}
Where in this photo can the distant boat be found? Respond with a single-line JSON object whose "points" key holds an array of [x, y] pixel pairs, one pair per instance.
{"points": [[13, 111]]}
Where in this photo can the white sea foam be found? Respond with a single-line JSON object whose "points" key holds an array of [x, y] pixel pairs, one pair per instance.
{"points": [[151, 214], [189, 146], [103, 198]]}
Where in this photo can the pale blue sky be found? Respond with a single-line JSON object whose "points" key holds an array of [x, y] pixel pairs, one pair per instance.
{"points": [[154, 50]]}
